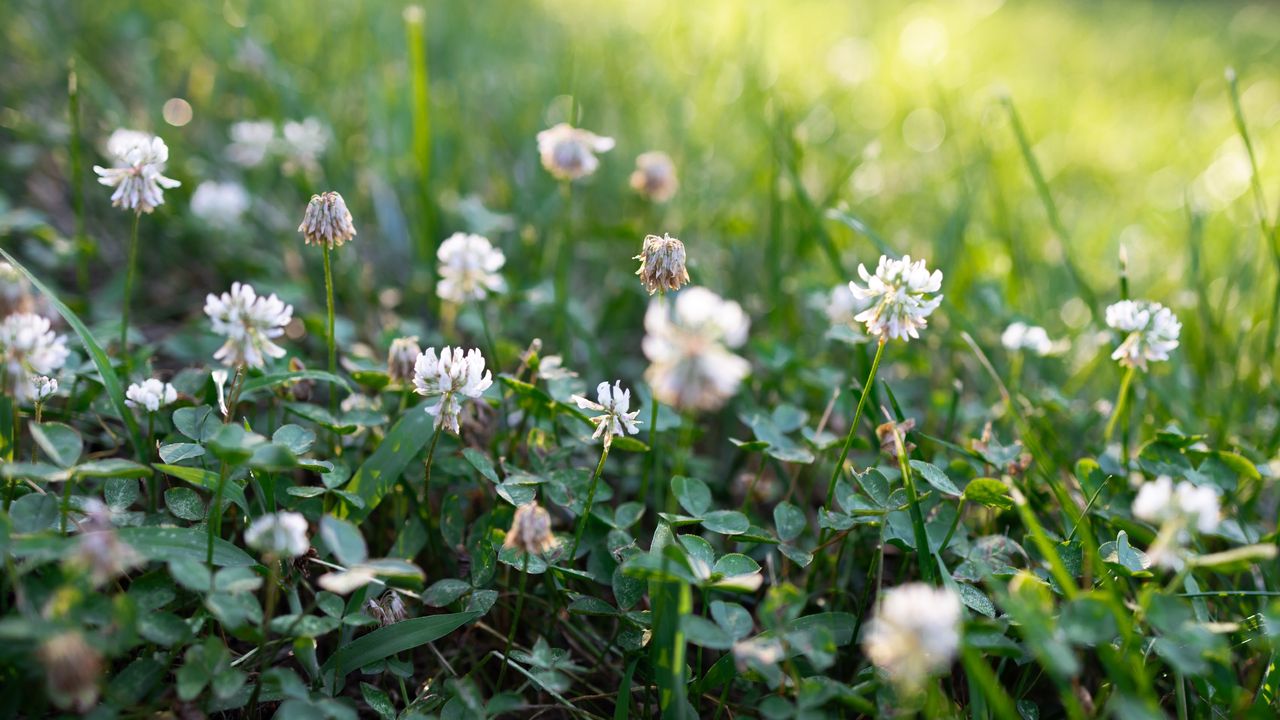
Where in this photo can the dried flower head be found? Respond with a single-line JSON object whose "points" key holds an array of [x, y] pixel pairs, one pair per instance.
{"points": [[138, 175], [402, 357], [614, 404], [1151, 332], [530, 530], [251, 142], [43, 387], [72, 670], [450, 377], [469, 266], [655, 176], [662, 264], [388, 609], [150, 394], [568, 153], [885, 434], [691, 367], [250, 323], [220, 204], [327, 221], [28, 347], [100, 550], [901, 297], [282, 534], [1021, 336], [915, 634]]}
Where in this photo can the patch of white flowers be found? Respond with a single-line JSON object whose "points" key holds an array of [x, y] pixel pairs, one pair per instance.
{"points": [[451, 377], [1176, 510], [915, 634], [402, 357], [1020, 336], [688, 345], [250, 322], [28, 346], [900, 295], [150, 394], [1150, 332], [138, 173], [568, 153], [282, 534], [220, 204], [614, 404], [469, 266]]}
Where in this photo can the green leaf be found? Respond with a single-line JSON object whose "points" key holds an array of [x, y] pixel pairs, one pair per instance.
{"points": [[112, 468], [198, 423], [378, 701], [177, 452], [169, 543], [344, 540], [481, 463], [693, 494], [380, 471], [295, 437], [273, 457], [726, 522], [1124, 558], [789, 521], [705, 633], [233, 444], [273, 379], [120, 493], [60, 443], [732, 618], [33, 512], [184, 503], [443, 592], [989, 492], [385, 642], [208, 481], [936, 478], [115, 393]]}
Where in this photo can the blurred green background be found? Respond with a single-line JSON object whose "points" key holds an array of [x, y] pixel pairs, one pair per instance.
{"points": [[775, 112]]}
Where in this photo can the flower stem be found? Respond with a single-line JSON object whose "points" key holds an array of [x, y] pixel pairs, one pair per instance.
{"points": [[651, 462], [214, 521], [562, 269], [329, 339], [130, 273], [591, 498], [264, 631], [515, 621], [153, 483], [853, 427], [1121, 401], [426, 480], [923, 553]]}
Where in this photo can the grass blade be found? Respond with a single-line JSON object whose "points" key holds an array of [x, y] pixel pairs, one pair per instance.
{"points": [[385, 642], [379, 473]]}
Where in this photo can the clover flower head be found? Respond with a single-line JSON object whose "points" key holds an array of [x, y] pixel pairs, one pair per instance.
{"points": [[220, 204], [568, 153], [688, 347], [388, 609], [662, 264], [613, 404], [72, 669], [1160, 501], [1150, 332], [28, 347], [914, 634], [1021, 336], [469, 266], [303, 142], [900, 295], [250, 322], [251, 142], [150, 394], [138, 173], [655, 176], [451, 377], [282, 534], [402, 357], [43, 387], [843, 306], [100, 549], [327, 221], [530, 530]]}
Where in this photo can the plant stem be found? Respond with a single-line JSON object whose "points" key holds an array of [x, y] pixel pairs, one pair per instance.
{"points": [[515, 621], [130, 273], [562, 270], [214, 521], [84, 246], [923, 553], [153, 483], [591, 498], [853, 427], [1121, 400], [329, 339], [426, 480], [264, 631]]}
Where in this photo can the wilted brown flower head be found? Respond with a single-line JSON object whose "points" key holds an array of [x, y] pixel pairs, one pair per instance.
{"points": [[72, 668], [388, 609], [530, 530], [327, 221], [662, 264], [401, 358], [299, 390], [655, 176], [885, 434]]}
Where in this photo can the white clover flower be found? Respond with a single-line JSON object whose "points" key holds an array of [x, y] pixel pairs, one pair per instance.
{"points": [[691, 366], [843, 306], [43, 387], [900, 297], [100, 549], [28, 347], [1151, 332], [283, 534], [915, 634], [402, 357], [1177, 510], [251, 142], [614, 403], [327, 221], [448, 377], [250, 322], [150, 394], [662, 264], [568, 153], [220, 204], [1021, 336], [139, 173], [469, 266], [303, 144], [655, 176], [530, 530]]}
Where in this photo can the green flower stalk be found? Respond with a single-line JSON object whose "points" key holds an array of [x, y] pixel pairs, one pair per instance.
{"points": [[327, 223]]}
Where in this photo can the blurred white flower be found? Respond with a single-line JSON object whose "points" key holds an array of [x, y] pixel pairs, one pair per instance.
{"points": [[251, 141], [99, 549], [655, 176], [568, 153], [687, 346], [327, 221], [614, 403], [249, 322], [447, 377], [402, 357], [843, 306], [283, 534], [43, 387], [900, 297], [469, 266], [915, 634], [1159, 501], [1151, 332], [150, 394], [662, 264], [138, 174], [530, 530], [303, 144], [73, 670], [345, 582], [28, 347], [220, 204], [1021, 336]]}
